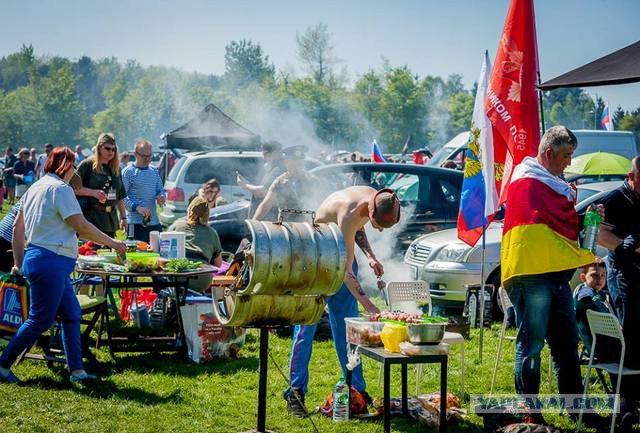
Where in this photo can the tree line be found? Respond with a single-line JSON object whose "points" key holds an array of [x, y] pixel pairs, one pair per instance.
{"points": [[61, 100]]}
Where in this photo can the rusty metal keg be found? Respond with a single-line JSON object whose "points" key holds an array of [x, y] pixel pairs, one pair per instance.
{"points": [[289, 270]]}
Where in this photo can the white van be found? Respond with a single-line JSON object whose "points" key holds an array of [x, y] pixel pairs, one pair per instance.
{"points": [[621, 143]]}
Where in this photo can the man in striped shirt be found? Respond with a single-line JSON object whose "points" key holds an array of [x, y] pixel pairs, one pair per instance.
{"points": [[144, 189]]}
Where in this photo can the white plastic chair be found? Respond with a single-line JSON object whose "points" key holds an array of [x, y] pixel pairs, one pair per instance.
{"points": [[606, 324], [506, 304], [405, 296]]}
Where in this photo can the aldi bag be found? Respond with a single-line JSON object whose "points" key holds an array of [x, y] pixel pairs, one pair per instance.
{"points": [[13, 302]]}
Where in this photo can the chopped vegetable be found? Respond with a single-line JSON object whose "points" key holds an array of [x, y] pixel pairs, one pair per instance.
{"points": [[181, 265]]}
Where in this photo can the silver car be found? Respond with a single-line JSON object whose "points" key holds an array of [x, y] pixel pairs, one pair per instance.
{"points": [[447, 264]]}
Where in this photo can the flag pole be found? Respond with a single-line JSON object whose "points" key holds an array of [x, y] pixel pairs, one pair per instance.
{"points": [[482, 270]]}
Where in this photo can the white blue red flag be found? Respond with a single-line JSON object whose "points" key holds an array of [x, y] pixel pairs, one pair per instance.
{"points": [[606, 121], [479, 198], [376, 155]]}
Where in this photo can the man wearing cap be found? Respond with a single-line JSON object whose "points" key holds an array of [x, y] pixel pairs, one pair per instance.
{"points": [[294, 189], [350, 208], [24, 171], [273, 167]]}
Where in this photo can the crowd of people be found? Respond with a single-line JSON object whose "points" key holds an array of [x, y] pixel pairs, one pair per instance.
{"points": [[63, 195]]}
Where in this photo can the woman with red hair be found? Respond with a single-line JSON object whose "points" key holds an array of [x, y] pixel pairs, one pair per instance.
{"points": [[47, 224]]}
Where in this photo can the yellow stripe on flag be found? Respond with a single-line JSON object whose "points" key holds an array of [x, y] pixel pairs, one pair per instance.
{"points": [[534, 249]]}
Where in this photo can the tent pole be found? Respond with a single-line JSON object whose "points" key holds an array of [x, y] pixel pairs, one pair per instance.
{"points": [[541, 107]]}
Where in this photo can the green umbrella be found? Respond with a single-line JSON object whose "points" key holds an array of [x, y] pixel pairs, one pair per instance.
{"points": [[599, 163]]}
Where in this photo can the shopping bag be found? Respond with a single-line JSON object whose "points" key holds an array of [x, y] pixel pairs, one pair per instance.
{"points": [[13, 302], [206, 338]]}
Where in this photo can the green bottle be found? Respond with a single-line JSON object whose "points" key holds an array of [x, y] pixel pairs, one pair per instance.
{"points": [[592, 222]]}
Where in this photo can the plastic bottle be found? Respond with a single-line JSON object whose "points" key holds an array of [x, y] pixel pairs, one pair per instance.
{"points": [[592, 222], [341, 401]]}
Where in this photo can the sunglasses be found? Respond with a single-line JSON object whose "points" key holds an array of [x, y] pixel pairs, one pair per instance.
{"points": [[142, 155], [109, 148]]}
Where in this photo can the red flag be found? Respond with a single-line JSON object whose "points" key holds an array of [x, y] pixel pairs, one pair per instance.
{"points": [[511, 102]]}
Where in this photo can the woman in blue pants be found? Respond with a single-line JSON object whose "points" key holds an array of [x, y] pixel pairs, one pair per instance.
{"points": [[48, 221]]}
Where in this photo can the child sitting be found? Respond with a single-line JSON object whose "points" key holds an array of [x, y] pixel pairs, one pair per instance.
{"points": [[590, 295]]}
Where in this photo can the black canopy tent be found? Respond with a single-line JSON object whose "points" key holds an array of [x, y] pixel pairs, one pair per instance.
{"points": [[619, 67], [212, 130]]}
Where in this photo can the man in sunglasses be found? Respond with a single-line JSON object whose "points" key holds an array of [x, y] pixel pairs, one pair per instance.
{"points": [[144, 190]]}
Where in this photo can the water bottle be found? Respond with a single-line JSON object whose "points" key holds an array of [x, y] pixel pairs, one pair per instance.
{"points": [[341, 401], [592, 222]]}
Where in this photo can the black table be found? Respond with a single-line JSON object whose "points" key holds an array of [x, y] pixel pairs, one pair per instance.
{"points": [[131, 281], [389, 358]]}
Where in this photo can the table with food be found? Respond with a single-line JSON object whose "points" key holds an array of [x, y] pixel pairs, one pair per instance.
{"points": [[138, 269], [394, 337]]}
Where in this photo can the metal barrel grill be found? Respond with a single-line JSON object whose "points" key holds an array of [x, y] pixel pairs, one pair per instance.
{"points": [[288, 271]]}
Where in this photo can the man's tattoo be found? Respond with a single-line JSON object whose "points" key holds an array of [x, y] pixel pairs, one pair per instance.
{"points": [[360, 291], [363, 242]]}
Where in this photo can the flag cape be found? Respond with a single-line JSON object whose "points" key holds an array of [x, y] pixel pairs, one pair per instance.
{"points": [[479, 197], [540, 233], [511, 101], [376, 155]]}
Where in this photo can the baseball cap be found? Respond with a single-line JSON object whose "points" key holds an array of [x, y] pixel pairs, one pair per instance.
{"points": [[384, 208]]}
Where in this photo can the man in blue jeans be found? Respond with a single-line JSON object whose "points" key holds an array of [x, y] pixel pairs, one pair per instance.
{"points": [[350, 209], [539, 255]]}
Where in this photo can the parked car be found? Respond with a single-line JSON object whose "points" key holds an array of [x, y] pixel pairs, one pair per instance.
{"points": [[195, 168], [619, 142], [431, 195], [447, 264]]}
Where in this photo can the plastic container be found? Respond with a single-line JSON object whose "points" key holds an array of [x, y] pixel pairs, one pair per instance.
{"points": [[172, 245], [362, 332], [154, 241], [392, 335], [341, 401], [142, 260]]}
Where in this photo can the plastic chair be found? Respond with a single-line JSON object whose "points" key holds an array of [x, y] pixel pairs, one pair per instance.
{"points": [[506, 304], [606, 324], [405, 296]]}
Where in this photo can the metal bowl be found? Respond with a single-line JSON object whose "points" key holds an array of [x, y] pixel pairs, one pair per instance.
{"points": [[425, 333]]}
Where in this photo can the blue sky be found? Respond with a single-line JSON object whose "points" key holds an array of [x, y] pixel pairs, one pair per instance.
{"points": [[431, 37]]}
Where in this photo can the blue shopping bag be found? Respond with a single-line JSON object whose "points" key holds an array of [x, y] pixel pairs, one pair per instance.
{"points": [[13, 302]]}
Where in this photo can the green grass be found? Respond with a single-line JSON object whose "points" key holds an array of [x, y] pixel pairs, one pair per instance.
{"points": [[165, 393], [162, 392]]}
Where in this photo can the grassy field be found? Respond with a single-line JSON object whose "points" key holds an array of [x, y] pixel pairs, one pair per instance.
{"points": [[162, 392]]}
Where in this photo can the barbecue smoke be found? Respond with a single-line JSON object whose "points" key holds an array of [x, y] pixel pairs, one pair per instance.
{"points": [[383, 245]]}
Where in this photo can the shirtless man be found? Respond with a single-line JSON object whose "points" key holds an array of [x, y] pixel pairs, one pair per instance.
{"points": [[350, 209]]}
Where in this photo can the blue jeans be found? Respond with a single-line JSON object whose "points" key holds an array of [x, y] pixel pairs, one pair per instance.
{"points": [[51, 296], [341, 305], [544, 310]]}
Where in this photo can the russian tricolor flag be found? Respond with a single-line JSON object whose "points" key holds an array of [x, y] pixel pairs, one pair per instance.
{"points": [[376, 155], [606, 121], [479, 195]]}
